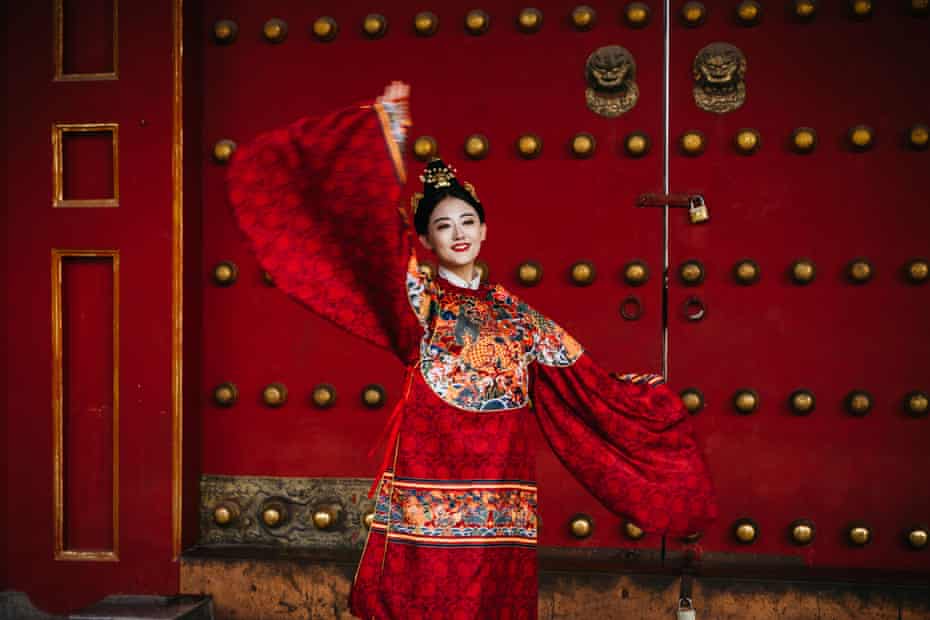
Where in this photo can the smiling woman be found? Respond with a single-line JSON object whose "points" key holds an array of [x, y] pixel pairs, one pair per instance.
{"points": [[450, 221], [455, 523]]}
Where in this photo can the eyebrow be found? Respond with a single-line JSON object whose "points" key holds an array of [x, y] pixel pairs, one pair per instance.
{"points": [[446, 217]]}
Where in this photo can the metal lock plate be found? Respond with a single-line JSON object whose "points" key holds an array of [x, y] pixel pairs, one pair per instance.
{"points": [[697, 210]]}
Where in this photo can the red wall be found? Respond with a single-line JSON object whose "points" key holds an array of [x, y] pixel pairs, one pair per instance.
{"points": [[140, 101]]}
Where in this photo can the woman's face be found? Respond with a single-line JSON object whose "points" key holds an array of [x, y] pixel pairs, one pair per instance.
{"points": [[454, 233]]}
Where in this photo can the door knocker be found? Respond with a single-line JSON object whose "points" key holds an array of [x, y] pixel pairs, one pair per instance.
{"points": [[694, 308], [637, 308]]}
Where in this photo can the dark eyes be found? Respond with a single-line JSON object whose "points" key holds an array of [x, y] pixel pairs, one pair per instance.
{"points": [[444, 225]]}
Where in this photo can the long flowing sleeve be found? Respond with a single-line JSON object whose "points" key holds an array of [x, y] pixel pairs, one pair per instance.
{"points": [[627, 438], [318, 201]]}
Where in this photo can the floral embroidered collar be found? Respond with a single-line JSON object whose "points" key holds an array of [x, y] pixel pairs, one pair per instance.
{"points": [[460, 282]]}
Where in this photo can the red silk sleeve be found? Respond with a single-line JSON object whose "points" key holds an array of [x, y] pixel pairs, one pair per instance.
{"points": [[318, 201], [629, 442]]}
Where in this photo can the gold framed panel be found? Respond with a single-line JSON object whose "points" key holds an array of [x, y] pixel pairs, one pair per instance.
{"points": [[58, 164], [177, 275], [58, 48], [111, 555]]}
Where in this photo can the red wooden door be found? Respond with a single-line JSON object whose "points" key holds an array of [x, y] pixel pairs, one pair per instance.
{"points": [[88, 423], [556, 209], [830, 336]]}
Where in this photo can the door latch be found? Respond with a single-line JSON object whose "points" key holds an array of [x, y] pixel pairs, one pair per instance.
{"points": [[697, 208]]}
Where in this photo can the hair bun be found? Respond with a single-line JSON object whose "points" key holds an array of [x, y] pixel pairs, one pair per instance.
{"points": [[437, 175]]}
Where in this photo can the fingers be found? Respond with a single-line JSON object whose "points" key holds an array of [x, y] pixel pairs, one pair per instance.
{"points": [[397, 90]]}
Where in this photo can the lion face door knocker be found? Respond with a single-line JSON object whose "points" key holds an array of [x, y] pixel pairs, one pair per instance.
{"points": [[719, 71], [611, 74]]}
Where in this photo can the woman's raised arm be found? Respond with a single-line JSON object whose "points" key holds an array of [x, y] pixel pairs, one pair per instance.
{"points": [[319, 202]]}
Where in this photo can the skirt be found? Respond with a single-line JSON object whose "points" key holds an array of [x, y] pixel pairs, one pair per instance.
{"points": [[455, 526]]}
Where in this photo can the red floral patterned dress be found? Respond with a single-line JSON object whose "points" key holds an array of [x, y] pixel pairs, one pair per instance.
{"points": [[454, 534]]}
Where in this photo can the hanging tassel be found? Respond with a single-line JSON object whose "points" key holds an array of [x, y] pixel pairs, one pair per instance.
{"points": [[391, 431]]}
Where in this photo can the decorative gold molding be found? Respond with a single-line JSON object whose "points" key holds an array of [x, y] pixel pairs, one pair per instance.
{"points": [[58, 503], [58, 48], [58, 163], [177, 276]]}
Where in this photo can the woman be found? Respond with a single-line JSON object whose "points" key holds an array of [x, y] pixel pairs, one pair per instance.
{"points": [[455, 523]]}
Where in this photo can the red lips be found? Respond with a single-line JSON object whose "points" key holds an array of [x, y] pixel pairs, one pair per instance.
{"points": [[461, 247]]}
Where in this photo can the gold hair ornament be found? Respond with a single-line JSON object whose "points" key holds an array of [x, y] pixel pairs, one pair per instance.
{"points": [[471, 190], [415, 200], [440, 177]]}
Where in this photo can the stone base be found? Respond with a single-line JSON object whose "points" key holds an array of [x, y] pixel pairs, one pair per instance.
{"points": [[272, 587], [129, 607], [17, 606], [271, 584]]}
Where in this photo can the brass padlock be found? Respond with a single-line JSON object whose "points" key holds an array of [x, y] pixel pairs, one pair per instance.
{"points": [[697, 210], [685, 609]]}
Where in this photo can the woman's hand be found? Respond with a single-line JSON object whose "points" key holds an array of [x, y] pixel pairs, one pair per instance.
{"points": [[397, 92], [398, 95]]}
